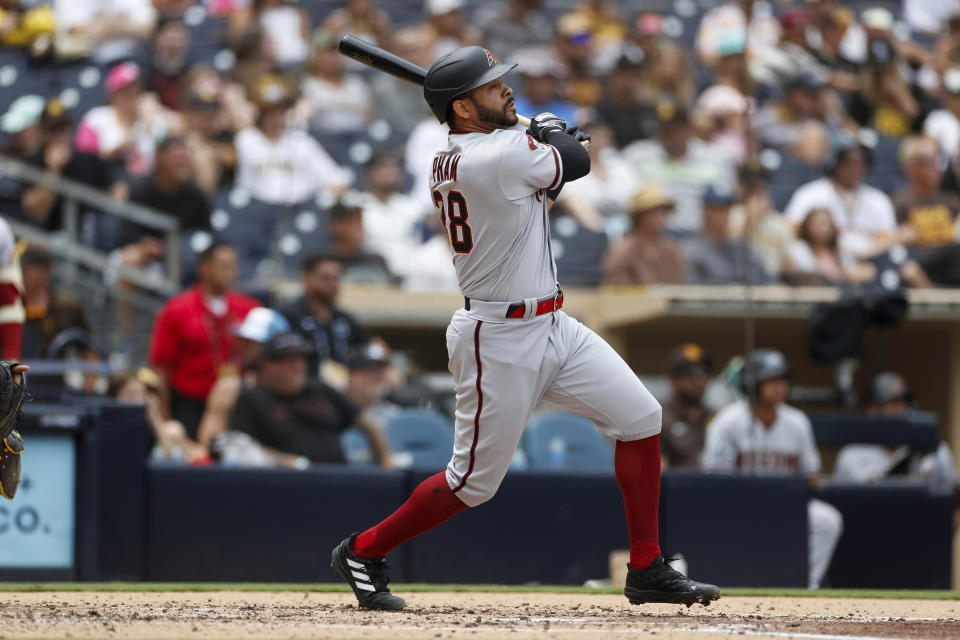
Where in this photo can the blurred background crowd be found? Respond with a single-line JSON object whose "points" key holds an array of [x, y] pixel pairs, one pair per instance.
{"points": [[746, 142]]}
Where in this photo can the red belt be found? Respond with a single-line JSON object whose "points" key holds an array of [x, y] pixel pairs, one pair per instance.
{"points": [[545, 305]]}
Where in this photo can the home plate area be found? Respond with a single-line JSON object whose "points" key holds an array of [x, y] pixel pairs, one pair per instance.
{"points": [[292, 614]]}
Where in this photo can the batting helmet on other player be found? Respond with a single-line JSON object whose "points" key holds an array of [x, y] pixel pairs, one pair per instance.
{"points": [[762, 365], [456, 73], [887, 387]]}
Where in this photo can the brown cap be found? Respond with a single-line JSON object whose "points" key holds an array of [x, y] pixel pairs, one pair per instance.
{"points": [[688, 360], [54, 114], [272, 91], [649, 197]]}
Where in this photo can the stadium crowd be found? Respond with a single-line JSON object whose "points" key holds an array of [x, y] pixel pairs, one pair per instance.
{"points": [[749, 142]]}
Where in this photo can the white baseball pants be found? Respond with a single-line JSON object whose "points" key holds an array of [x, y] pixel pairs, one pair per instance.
{"points": [[826, 525], [504, 367]]}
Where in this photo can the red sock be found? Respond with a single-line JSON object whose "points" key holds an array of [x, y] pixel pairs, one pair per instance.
{"points": [[637, 464], [430, 505]]}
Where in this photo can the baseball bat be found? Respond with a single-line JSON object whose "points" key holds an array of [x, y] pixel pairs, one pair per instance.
{"points": [[373, 56]]}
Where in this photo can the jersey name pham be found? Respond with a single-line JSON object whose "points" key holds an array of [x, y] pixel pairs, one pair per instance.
{"points": [[445, 167]]}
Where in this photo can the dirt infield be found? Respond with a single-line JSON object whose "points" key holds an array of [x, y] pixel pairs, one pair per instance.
{"points": [[475, 616]]}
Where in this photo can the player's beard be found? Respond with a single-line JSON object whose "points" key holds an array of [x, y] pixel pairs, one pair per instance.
{"points": [[502, 117]]}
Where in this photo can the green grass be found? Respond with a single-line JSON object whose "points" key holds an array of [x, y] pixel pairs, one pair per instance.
{"points": [[479, 588]]}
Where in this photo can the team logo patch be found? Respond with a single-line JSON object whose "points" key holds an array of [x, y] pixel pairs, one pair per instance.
{"points": [[491, 59]]}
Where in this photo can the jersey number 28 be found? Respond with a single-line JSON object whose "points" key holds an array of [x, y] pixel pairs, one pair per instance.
{"points": [[455, 213]]}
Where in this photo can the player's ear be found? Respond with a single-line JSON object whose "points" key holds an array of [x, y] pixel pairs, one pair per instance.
{"points": [[462, 108]]}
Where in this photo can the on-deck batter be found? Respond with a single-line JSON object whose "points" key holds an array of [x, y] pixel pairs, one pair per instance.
{"points": [[510, 345]]}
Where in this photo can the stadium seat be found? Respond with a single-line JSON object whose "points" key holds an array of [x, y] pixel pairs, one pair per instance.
{"points": [[577, 251], [566, 441], [424, 435], [356, 447]]}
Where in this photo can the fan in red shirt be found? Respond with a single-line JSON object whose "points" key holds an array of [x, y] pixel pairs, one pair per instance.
{"points": [[193, 341]]}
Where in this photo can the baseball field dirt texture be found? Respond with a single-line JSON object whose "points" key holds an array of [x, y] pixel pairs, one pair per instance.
{"points": [[477, 615]]}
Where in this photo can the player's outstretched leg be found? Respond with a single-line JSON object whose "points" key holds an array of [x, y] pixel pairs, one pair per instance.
{"points": [[661, 583], [366, 576]]}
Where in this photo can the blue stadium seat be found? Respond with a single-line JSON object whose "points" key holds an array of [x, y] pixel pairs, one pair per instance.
{"points": [[577, 251], [566, 441], [356, 448], [790, 174], [425, 435], [884, 173]]}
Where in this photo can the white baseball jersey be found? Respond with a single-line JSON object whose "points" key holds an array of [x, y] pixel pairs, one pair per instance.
{"points": [[488, 191], [489, 194], [738, 441]]}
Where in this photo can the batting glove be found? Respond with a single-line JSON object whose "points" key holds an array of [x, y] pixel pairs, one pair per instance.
{"points": [[542, 124], [578, 135]]}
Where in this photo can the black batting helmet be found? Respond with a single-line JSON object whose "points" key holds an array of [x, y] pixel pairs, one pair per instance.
{"points": [[457, 72], [762, 365]]}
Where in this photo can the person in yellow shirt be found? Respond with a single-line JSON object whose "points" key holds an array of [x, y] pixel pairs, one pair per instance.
{"points": [[19, 27]]}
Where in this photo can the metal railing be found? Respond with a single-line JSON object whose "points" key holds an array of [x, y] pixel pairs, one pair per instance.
{"points": [[67, 243]]}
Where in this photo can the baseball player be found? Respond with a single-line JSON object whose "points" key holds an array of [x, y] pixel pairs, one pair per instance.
{"points": [[511, 345], [13, 391], [763, 435]]}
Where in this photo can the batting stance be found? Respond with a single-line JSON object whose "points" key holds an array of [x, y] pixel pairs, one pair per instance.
{"points": [[510, 345]]}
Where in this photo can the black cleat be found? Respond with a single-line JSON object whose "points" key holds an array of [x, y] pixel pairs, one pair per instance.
{"points": [[366, 576], [661, 583]]}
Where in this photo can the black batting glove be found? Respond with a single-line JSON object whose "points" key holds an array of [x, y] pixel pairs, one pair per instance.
{"points": [[543, 124], [578, 135]]}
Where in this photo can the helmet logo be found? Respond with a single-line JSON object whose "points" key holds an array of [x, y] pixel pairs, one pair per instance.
{"points": [[491, 59]]}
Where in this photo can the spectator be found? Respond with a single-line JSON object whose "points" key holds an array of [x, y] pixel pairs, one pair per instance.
{"points": [[888, 396], [447, 27], [336, 101], [943, 125], [506, 27], [715, 258], [763, 435], [731, 68], [285, 26], [721, 116], [926, 214], [685, 417], [602, 198], [814, 257], [755, 221], [863, 214], [11, 294], [142, 387], [575, 45], [646, 32], [397, 101], [886, 102], [607, 27], [793, 124], [668, 76], [747, 21], [193, 341], [645, 256], [49, 311], [371, 378], [171, 190], [21, 26], [21, 123], [260, 325], [107, 30], [792, 56], [347, 239], [621, 106], [298, 421], [331, 331], [166, 73], [43, 205], [392, 221], [540, 88], [683, 165], [361, 18], [930, 16], [208, 136], [126, 129], [433, 269], [423, 142], [835, 23], [277, 163]]}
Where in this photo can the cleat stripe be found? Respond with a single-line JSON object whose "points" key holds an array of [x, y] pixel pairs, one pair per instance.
{"points": [[359, 575], [355, 565], [365, 587]]}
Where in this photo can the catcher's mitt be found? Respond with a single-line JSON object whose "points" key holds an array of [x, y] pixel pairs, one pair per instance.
{"points": [[12, 395]]}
